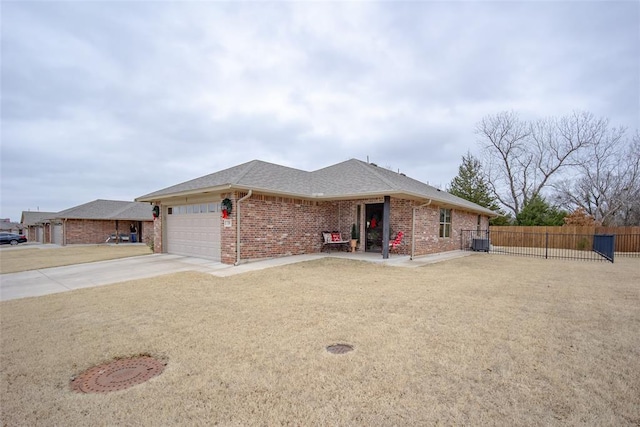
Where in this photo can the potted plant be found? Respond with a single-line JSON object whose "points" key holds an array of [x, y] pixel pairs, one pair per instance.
{"points": [[354, 237]]}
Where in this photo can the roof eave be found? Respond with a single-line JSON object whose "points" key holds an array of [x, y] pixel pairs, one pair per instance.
{"points": [[479, 209], [150, 198], [313, 196]]}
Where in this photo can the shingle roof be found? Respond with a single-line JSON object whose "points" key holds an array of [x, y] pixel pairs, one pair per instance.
{"points": [[369, 178], [33, 218], [255, 174], [10, 226], [349, 179], [110, 210]]}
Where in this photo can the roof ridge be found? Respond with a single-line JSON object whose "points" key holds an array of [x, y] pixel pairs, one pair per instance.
{"points": [[249, 165], [369, 167], [126, 206], [75, 207]]}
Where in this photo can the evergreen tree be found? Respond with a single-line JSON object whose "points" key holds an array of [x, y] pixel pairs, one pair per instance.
{"points": [[470, 184], [538, 212]]}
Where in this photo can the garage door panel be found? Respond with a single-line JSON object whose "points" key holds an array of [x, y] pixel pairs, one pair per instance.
{"points": [[195, 235], [57, 234]]}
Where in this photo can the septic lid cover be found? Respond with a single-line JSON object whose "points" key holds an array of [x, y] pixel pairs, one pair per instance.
{"points": [[117, 375], [339, 348]]}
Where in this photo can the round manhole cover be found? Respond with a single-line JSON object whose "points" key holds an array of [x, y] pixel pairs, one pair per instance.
{"points": [[339, 348], [117, 375]]}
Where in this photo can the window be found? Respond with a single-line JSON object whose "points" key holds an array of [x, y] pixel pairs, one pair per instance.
{"points": [[194, 209], [445, 222], [479, 223]]}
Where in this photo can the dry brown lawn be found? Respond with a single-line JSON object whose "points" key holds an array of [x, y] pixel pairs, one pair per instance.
{"points": [[13, 260], [485, 339]]}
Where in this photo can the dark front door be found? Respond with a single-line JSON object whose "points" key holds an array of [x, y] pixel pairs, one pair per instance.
{"points": [[373, 229]]}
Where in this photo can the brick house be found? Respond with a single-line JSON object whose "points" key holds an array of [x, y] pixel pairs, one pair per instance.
{"points": [[96, 221], [11, 227], [37, 225], [280, 211]]}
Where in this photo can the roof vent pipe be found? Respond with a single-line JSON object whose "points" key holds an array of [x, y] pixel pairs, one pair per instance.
{"points": [[238, 225], [413, 226]]}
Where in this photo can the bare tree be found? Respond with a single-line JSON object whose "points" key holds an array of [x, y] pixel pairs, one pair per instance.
{"points": [[522, 158], [607, 181], [506, 159]]}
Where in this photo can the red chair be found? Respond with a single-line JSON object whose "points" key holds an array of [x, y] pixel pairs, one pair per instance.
{"points": [[396, 242]]}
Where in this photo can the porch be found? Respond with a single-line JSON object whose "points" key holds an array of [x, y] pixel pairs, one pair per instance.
{"points": [[393, 261]]}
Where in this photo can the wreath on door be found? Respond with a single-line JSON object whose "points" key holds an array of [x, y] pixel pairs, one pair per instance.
{"points": [[227, 206]]}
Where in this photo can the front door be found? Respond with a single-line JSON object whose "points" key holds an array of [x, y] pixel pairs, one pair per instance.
{"points": [[373, 227]]}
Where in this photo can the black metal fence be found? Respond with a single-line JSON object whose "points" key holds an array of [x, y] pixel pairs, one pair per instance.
{"points": [[589, 247]]}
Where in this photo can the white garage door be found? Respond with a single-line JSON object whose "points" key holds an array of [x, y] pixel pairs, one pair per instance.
{"points": [[194, 230]]}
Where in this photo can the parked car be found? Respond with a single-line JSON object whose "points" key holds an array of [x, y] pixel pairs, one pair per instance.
{"points": [[11, 238]]}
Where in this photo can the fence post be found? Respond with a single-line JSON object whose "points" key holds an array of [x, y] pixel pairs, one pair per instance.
{"points": [[546, 245]]}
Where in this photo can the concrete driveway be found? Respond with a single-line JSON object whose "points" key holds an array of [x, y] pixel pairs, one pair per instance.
{"points": [[60, 279]]}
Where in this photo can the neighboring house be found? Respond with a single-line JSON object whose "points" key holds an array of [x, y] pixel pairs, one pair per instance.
{"points": [[96, 221], [279, 211], [10, 227], [37, 225]]}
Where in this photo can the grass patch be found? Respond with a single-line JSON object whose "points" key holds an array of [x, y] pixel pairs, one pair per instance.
{"points": [[477, 340], [13, 260]]}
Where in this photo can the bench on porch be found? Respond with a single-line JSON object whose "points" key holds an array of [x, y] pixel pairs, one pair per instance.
{"points": [[114, 238], [333, 239]]}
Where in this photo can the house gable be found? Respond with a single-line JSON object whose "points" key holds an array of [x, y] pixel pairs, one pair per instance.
{"points": [[346, 180], [29, 218]]}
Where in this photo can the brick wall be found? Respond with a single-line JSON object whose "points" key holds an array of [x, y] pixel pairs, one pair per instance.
{"points": [[345, 213], [401, 214], [400, 219], [427, 240], [158, 246], [146, 232], [228, 234], [273, 226], [31, 234], [276, 226], [88, 231]]}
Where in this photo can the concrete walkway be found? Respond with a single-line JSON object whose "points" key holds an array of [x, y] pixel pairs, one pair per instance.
{"points": [[61, 279]]}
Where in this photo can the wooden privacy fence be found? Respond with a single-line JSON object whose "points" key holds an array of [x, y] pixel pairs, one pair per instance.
{"points": [[564, 237]]}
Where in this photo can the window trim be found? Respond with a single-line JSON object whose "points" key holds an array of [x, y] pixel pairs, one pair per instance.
{"points": [[444, 229]]}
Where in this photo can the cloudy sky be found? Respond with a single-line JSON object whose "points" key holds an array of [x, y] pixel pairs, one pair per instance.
{"points": [[116, 99]]}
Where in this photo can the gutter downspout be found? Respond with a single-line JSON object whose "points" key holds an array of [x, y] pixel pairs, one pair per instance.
{"points": [[413, 226], [238, 226]]}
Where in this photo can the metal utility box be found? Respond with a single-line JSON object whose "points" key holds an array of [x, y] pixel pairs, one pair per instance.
{"points": [[480, 245]]}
